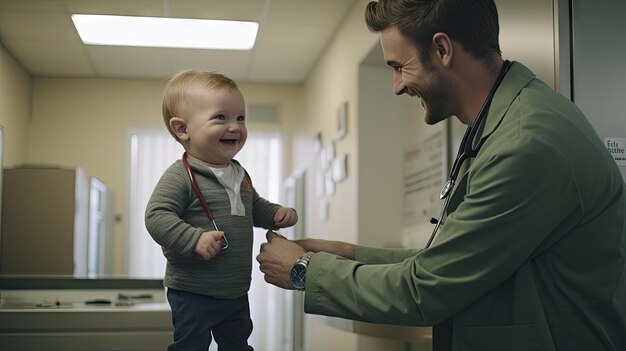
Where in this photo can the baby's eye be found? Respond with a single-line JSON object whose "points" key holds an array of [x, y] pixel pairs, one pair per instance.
{"points": [[241, 119], [220, 117]]}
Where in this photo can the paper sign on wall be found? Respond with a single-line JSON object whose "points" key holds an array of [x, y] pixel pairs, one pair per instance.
{"points": [[617, 149]]}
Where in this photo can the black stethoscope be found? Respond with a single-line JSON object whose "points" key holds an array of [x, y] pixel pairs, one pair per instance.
{"points": [[208, 212], [465, 152]]}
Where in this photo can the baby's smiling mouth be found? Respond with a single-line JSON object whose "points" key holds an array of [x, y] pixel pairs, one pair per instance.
{"points": [[228, 141]]}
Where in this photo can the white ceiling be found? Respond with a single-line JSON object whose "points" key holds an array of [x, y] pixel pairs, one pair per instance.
{"points": [[292, 35]]}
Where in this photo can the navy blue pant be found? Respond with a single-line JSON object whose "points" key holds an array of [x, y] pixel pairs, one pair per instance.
{"points": [[196, 317]]}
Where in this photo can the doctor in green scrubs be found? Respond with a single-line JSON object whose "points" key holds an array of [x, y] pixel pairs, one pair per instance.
{"points": [[532, 252]]}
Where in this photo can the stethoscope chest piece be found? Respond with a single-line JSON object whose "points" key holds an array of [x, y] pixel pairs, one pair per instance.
{"points": [[445, 191]]}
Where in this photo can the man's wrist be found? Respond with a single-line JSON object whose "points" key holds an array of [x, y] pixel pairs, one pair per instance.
{"points": [[298, 273], [347, 250]]}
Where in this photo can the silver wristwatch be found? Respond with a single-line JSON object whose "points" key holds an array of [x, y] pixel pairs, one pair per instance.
{"points": [[298, 272]]}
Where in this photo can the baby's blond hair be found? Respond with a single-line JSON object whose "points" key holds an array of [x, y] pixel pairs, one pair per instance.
{"points": [[178, 86]]}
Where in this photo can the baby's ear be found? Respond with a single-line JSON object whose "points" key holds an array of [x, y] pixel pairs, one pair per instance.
{"points": [[179, 127]]}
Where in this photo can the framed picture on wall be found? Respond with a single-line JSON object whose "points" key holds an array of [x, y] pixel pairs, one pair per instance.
{"points": [[329, 183], [339, 168], [342, 121]]}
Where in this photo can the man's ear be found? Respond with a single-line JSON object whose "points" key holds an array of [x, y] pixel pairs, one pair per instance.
{"points": [[179, 127], [443, 48]]}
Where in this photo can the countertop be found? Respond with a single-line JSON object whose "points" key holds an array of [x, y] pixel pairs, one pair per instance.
{"points": [[73, 313]]}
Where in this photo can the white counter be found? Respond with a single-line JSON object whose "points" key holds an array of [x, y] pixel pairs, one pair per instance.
{"points": [[68, 319]]}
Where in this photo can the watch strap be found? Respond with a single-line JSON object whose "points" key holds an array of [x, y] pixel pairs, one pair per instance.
{"points": [[298, 272], [305, 259]]}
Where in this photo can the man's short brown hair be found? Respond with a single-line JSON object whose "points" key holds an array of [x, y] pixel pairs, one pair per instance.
{"points": [[472, 23]]}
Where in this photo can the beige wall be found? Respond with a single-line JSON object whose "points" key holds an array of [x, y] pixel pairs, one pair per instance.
{"points": [[334, 81], [85, 122], [15, 97]]}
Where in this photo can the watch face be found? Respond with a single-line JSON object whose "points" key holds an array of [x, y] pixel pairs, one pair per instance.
{"points": [[298, 276]]}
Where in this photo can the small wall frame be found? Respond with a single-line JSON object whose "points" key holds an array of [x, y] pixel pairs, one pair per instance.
{"points": [[342, 121]]}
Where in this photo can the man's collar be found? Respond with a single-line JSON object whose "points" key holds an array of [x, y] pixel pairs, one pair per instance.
{"points": [[515, 80]]}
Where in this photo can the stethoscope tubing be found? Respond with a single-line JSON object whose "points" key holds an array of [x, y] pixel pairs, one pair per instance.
{"points": [[206, 208], [439, 222], [466, 151]]}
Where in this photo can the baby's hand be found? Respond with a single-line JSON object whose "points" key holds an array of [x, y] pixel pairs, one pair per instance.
{"points": [[209, 244], [285, 217]]}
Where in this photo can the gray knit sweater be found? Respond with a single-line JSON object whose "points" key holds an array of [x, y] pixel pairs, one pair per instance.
{"points": [[175, 220]]}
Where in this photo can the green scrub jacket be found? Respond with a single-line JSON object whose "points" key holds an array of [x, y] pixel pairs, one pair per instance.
{"points": [[532, 254]]}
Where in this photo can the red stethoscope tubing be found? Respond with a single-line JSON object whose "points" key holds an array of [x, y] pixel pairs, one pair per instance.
{"points": [[206, 208]]}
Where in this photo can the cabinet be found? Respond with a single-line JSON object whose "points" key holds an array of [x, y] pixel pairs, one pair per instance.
{"points": [[44, 221]]}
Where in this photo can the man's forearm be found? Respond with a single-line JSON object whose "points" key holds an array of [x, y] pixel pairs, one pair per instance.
{"points": [[338, 248]]}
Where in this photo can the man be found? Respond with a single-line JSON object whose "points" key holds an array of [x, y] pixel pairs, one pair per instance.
{"points": [[532, 252]]}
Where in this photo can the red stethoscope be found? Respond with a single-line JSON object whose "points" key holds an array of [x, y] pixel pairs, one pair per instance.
{"points": [[208, 212]]}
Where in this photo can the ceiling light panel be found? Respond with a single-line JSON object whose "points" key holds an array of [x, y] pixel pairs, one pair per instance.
{"points": [[165, 32]]}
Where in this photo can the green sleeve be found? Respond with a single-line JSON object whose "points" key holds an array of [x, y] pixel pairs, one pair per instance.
{"points": [[372, 255], [513, 203]]}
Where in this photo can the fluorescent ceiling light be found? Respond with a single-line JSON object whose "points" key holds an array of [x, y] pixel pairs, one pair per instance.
{"points": [[165, 32]]}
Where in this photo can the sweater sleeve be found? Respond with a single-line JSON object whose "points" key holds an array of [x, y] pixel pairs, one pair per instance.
{"points": [[165, 209], [262, 210]]}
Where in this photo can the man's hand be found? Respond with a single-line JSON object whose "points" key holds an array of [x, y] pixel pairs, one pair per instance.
{"points": [[209, 244], [277, 257]]}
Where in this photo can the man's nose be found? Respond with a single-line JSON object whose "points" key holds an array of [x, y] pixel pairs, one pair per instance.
{"points": [[398, 86]]}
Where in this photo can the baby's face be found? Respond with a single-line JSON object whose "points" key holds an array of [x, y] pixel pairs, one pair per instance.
{"points": [[216, 125]]}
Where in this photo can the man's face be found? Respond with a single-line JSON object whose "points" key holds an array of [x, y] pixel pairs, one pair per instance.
{"points": [[416, 77]]}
